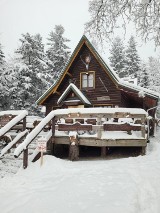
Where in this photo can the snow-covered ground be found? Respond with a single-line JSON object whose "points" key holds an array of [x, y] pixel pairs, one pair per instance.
{"points": [[126, 185]]}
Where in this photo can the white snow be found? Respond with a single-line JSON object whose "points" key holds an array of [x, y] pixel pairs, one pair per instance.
{"points": [[139, 88], [141, 94], [135, 111], [78, 92], [127, 185], [6, 148], [13, 112], [20, 115]]}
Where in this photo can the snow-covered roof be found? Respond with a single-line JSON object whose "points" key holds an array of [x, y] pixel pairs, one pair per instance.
{"points": [[76, 91], [139, 89], [132, 86], [130, 80], [106, 67]]}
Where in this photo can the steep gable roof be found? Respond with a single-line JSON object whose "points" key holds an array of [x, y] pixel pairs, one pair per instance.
{"points": [[79, 94], [107, 69]]}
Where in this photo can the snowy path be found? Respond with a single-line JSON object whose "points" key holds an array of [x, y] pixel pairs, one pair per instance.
{"points": [[130, 185]]}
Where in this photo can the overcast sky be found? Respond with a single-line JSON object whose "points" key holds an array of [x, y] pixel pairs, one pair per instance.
{"points": [[40, 16]]}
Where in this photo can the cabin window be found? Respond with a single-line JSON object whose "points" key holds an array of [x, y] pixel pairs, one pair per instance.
{"points": [[87, 80]]}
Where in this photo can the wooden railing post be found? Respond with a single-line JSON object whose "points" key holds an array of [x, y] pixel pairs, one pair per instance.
{"points": [[24, 123], [52, 138], [25, 158], [99, 133]]}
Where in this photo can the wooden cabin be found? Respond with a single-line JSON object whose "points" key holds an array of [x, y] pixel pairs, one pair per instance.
{"points": [[87, 81]]}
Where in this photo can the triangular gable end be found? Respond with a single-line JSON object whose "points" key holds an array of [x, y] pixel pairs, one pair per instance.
{"points": [[77, 92], [83, 41], [115, 79]]}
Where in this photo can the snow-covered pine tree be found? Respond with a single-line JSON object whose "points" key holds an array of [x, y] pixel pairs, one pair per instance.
{"points": [[132, 64], [153, 68], [26, 88], [143, 75], [2, 56], [31, 72], [117, 58], [31, 51], [58, 52], [3, 81]]}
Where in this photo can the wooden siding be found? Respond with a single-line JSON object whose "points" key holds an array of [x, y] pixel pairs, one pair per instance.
{"points": [[92, 94]]}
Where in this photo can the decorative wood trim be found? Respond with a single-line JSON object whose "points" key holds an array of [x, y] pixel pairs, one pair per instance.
{"points": [[69, 74], [74, 127], [121, 127], [58, 93]]}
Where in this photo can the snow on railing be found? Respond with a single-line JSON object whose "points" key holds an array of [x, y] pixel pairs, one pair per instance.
{"points": [[12, 143], [33, 134], [99, 113], [22, 114]]}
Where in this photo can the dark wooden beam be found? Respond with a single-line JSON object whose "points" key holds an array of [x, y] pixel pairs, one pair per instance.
{"points": [[70, 75], [58, 93], [103, 151], [24, 123], [74, 127], [25, 158], [121, 127]]}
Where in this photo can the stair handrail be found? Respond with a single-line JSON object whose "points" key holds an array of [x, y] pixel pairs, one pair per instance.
{"points": [[35, 132], [13, 122], [36, 151]]}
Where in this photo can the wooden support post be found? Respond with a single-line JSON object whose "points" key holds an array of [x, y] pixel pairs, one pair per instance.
{"points": [[143, 150], [99, 133], [50, 147], [25, 158], [103, 151], [154, 127], [24, 123], [73, 148], [41, 160]]}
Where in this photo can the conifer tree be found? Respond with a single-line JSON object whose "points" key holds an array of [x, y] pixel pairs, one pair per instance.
{"points": [[58, 52], [26, 89], [143, 75], [1, 56], [3, 81], [132, 64], [117, 58], [31, 51], [30, 73], [153, 69]]}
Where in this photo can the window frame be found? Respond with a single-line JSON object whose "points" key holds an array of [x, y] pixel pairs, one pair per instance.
{"points": [[81, 78]]}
